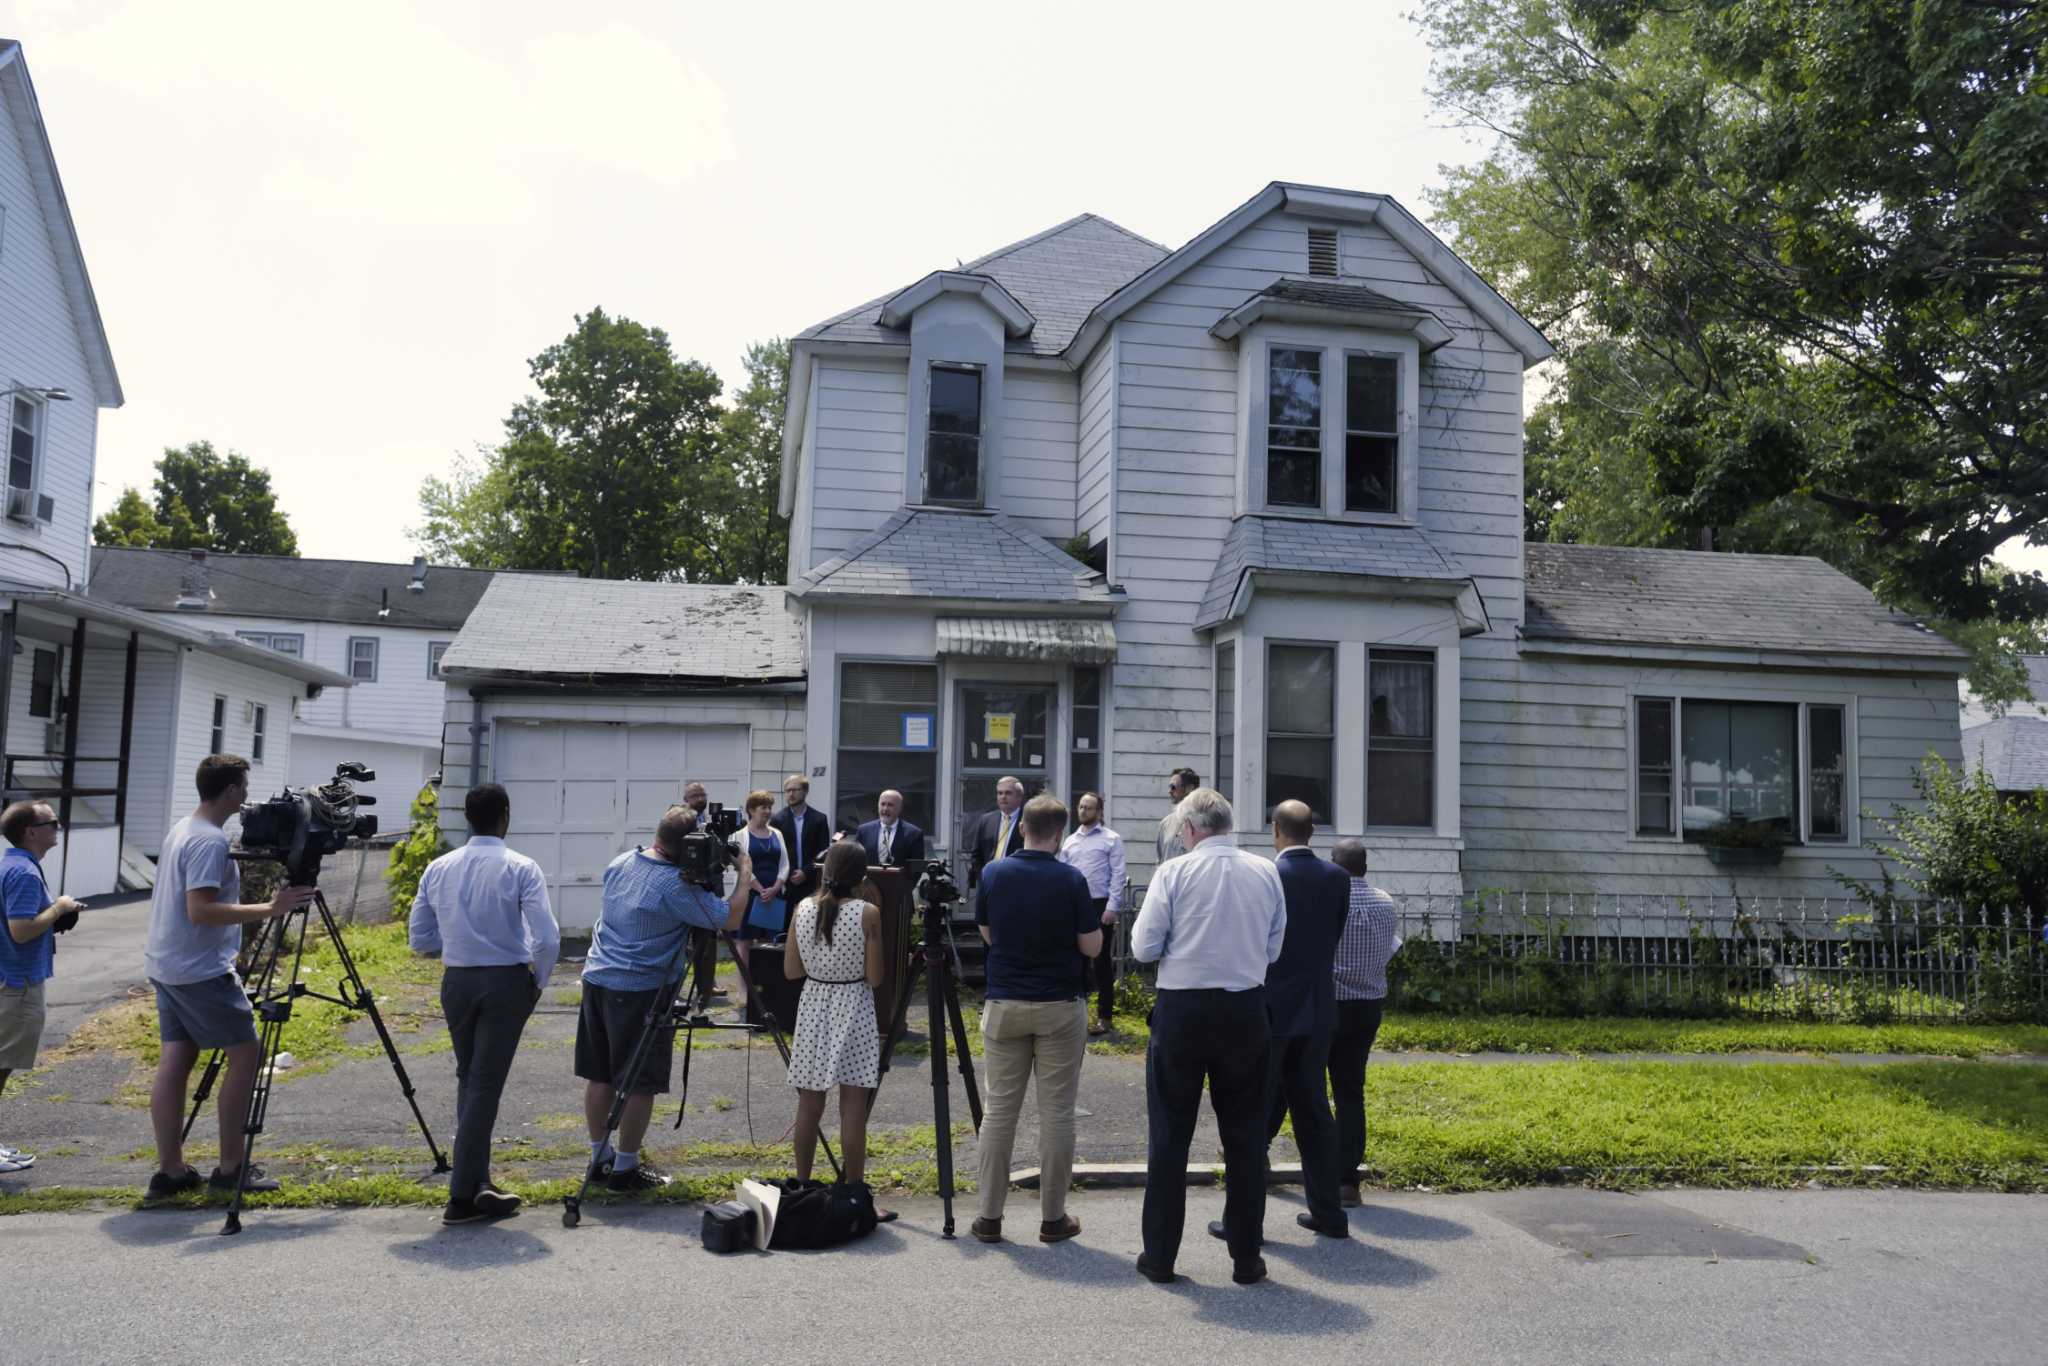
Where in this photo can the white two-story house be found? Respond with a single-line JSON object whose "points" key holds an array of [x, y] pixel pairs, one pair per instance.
{"points": [[104, 712], [383, 626], [1087, 509]]}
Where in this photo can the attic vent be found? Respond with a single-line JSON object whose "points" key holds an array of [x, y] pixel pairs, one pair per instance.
{"points": [[1322, 251]]}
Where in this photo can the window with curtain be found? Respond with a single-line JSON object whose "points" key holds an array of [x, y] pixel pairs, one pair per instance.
{"points": [[1400, 762], [952, 441], [1739, 760], [1294, 427], [874, 700], [1301, 727], [1226, 718]]}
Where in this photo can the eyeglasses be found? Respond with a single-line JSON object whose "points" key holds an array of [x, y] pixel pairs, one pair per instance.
{"points": [[37, 825]]}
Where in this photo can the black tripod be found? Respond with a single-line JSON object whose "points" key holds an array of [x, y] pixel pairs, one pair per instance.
{"points": [[942, 1006], [670, 1010], [272, 999]]}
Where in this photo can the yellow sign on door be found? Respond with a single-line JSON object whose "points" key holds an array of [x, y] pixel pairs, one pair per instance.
{"points": [[999, 727]]}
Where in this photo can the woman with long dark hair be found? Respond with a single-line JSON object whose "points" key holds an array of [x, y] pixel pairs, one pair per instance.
{"points": [[835, 949]]}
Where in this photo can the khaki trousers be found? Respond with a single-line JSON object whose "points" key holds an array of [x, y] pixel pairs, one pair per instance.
{"points": [[1020, 1039]]}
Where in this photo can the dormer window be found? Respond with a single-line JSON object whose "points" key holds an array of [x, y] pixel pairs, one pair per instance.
{"points": [[952, 448], [1294, 427]]}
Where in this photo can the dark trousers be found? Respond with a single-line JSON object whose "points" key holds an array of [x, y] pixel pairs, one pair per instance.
{"points": [[1295, 1085], [1105, 965], [1358, 1024], [1220, 1037], [486, 1009]]}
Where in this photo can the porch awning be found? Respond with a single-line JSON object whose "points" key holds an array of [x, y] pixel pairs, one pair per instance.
{"points": [[1064, 640]]}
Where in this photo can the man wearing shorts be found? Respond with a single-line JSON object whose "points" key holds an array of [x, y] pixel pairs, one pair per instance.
{"points": [[195, 931], [28, 949], [637, 955]]}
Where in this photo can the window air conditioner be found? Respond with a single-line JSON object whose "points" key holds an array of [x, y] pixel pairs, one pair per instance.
{"points": [[21, 505]]}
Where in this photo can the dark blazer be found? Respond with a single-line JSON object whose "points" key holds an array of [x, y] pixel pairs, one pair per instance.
{"points": [[1301, 991], [907, 848], [982, 848], [817, 838]]}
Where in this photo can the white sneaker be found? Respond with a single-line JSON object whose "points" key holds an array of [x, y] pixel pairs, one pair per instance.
{"points": [[17, 1162]]}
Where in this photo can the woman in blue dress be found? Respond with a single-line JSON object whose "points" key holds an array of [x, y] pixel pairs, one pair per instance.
{"points": [[767, 913]]}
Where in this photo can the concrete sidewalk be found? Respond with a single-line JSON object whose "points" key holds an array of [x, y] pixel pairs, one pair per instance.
{"points": [[1526, 1276]]}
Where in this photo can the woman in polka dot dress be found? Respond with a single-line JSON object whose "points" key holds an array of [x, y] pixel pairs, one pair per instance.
{"points": [[835, 948]]}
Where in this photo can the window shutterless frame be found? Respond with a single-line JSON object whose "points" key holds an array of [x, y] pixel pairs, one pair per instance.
{"points": [[362, 658], [955, 424], [217, 737], [24, 441], [1301, 761], [256, 733], [1822, 791], [435, 649]]}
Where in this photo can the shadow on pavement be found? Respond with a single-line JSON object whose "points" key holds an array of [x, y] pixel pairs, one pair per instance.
{"points": [[1386, 1221], [1074, 1261], [473, 1247], [198, 1230], [1347, 1261], [1271, 1307]]}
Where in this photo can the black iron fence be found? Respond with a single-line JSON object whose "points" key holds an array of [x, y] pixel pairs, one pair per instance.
{"points": [[1768, 958]]}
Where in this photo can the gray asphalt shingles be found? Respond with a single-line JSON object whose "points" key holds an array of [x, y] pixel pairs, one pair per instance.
{"points": [[1306, 546], [944, 553]]}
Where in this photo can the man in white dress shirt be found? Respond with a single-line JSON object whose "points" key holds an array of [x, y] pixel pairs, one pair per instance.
{"points": [[1213, 920], [484, 910]]}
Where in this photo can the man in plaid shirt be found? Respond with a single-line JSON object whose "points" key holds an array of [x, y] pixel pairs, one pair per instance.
{"points": [[1362, 952]]}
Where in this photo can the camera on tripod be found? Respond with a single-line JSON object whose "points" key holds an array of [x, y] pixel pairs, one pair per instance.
{"points": [[937, 887], [707, 850], [303, 822]]}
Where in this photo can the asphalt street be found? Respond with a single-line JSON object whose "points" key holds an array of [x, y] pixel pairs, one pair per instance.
{"points": [[1553, 1275]]}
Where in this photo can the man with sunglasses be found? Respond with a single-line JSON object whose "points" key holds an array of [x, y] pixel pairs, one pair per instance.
{"points": [[28, 949]]}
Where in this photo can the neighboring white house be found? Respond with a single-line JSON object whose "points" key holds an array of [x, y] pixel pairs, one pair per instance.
{"points": [[1288, 458], [2013, 747], [384, 626], [104, 712]]}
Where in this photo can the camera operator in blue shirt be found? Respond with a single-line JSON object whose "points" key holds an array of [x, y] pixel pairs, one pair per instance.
{"points": [[637, 952]]}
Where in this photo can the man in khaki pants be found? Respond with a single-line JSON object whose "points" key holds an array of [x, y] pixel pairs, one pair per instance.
{"points": [[1041, 928]]}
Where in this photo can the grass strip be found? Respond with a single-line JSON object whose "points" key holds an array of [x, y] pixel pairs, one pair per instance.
{"points": [[1534, 1034]]}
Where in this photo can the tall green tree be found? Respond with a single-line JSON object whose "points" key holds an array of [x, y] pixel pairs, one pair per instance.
{"points": [[624, 465], [204, 500], [1793, 258]]}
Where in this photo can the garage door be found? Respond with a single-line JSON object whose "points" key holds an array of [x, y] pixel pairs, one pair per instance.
{"points": [[583, 791]]}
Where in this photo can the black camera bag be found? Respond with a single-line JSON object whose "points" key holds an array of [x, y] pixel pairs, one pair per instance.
{"points": [[728, 1227], [813, 1215]]}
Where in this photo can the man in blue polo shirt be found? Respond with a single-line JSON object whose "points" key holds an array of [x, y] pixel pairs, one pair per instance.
{"points": [[28, 949], [636, 953]]}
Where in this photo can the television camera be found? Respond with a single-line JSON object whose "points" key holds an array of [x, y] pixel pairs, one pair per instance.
{"points": [[302, 825], [707, 850]]}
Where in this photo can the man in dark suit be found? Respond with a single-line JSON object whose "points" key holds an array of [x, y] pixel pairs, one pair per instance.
{"points": [[805, 831], [996, 834], [891, 841], [1301, 1002]]}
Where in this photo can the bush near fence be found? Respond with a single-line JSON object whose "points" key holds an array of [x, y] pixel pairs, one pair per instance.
{"points": [[1837, 960]]}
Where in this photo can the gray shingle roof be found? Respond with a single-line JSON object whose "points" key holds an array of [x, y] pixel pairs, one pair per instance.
{"points": [[289, 587], [1691, 598], [944, 553], [1305, 546], [1059, 274], [596, 630], [2013, 750], [1331, 293]]}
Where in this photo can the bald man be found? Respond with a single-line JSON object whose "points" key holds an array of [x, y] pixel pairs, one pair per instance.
{"points": [[891, 841]]}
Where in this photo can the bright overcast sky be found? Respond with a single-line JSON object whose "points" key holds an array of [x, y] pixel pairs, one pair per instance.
{"points": [[330, 235]]}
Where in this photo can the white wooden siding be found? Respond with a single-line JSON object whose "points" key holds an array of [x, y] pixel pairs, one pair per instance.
{"points": [[1547, 781], [150, 738], [1035, 450], [857, 462], [40, 346], [1095, 432], [205, 676], [404, 703]]}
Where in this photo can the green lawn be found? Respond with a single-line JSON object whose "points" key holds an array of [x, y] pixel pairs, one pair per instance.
{"points": [[1534, 1034]]}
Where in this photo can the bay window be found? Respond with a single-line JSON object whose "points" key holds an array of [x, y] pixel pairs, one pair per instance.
{"points": [[1226, 718], [1294, 428], [1707, 762], [1400, 762], [1301, 727]]}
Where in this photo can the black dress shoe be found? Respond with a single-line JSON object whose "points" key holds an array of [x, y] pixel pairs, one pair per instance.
{"points": [[1250, 1271], [1309, 1221], [1155, 1274], [1220, 1234]]}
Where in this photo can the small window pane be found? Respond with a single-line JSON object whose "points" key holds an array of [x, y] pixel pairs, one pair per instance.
{"points": [[362, 659], [1369, 464], [1370, 401], [1653, 766], [1226, 718], [1827, 773], [1301, 727], [217, 739], [953, 436], [951, 475], [435, 649], [42, 687], [956, 401], [1292, 478], [21, 459], [1400, 786], [1739, 760], [256, 734], [1294, 427], [873, 699]]}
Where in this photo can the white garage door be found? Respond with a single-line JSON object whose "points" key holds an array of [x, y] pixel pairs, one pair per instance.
{"points": [[583, 791]]}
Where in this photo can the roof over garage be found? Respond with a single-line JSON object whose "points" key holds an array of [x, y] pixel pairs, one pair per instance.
{"points": [[564, 631], [1712, 603]]}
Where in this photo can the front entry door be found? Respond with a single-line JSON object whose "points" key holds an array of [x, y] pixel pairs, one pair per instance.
{"points": [[1003, 731]]}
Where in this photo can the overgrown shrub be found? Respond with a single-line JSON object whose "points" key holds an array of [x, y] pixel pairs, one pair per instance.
{"points": [[410, 857], [1965, 845]]}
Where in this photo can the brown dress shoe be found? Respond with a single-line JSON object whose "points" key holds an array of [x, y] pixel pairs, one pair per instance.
{"points": [[1058, 1230], [987, 1230]]}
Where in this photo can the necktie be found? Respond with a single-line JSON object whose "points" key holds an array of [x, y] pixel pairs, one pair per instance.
{"points": [[797, 855], [888, 838], [1003, 837]]}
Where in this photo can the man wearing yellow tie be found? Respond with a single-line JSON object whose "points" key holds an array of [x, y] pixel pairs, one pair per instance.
{"points": [[996, 834]]}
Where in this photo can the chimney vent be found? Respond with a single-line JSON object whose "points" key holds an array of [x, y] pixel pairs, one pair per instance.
{"points": [[196, 596], [419, 575]]}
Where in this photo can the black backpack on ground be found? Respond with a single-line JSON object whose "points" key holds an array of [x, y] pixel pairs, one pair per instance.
{"points": [[813, 1215]]}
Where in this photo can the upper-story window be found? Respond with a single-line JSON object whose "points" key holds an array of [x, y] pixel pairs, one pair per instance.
{"points": [[435, 649], [952, 443], [1294, 427], [284, 642], [1372, 432], [362, 658], [23, 437]]}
